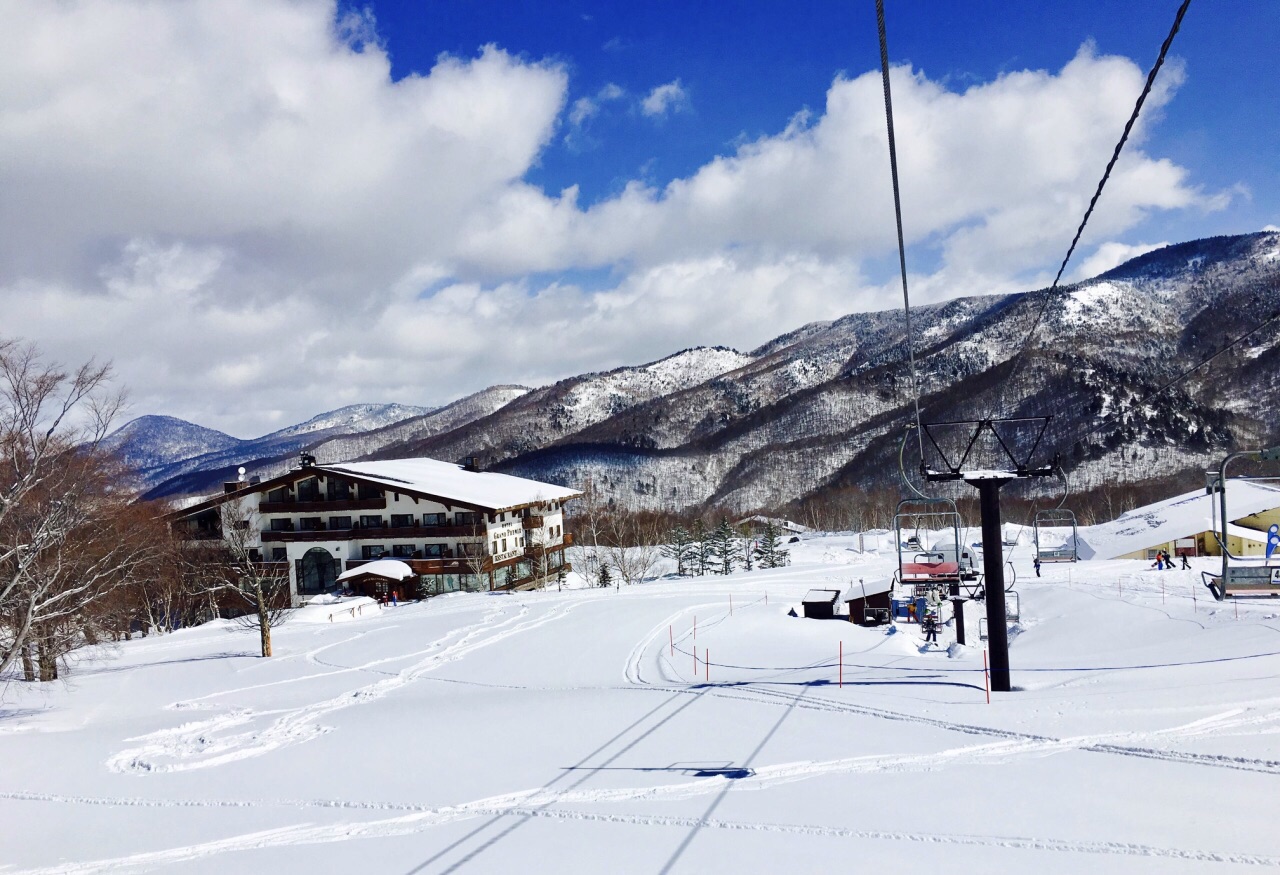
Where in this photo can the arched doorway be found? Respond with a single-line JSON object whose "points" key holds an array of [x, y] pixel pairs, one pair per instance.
{"points": [[317, 572]]}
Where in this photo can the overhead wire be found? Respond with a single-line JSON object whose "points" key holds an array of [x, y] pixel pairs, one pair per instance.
{"points": [[1106, 174], [897, 213]]}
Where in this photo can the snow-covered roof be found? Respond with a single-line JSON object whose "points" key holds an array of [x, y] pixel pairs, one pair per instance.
{"points": [[778, 523], [1180, 517], [1246, 534], [484, 489], [821, 595], [392, 569], [869, 587]]}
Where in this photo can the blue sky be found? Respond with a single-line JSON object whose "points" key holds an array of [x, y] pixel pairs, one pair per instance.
{"points": [[264, 209], [749, 67]]}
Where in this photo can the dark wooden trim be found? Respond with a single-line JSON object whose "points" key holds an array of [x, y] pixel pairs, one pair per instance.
{"points": [[358, 533], [322, 506]]}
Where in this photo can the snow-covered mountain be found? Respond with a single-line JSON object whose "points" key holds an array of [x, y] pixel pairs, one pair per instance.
{"points": [[354, 418], [149, 441], [160, 448], [558, 412], [822, 409], [346, 433]]}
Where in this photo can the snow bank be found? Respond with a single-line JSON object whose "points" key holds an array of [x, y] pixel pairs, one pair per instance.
{"points": [[335, 610]]}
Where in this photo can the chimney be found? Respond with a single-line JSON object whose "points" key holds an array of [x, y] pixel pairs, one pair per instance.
{"points": [[471, 463]]}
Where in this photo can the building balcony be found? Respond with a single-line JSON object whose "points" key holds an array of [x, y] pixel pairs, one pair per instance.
{"points": [[367, 533], [471, 532], [277, 537], [322, 506], [541, 549]]}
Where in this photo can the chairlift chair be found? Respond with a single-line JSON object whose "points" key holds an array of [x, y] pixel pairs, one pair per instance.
{"points": [[1055, 518], [1240, 575], [928, 566]]}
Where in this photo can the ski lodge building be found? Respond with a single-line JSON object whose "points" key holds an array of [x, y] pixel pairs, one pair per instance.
{"points": [[1185, 525], [458, 528]]}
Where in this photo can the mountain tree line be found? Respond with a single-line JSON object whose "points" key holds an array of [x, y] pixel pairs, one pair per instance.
{"points": [[721, 550]]}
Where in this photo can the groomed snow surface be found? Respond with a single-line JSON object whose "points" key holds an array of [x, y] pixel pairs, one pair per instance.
{"points": [[556, 732]]}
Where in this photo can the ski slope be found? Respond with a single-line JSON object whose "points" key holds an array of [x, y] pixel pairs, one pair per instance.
{"points": [[572, 732]]}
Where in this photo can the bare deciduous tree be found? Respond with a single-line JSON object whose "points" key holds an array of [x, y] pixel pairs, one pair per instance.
{"points": [[589, 522], [475, 553], [632, 546], [61, 547], [233, 568]]}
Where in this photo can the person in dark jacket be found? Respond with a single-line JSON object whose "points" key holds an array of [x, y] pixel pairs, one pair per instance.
{"points": [[931, 629]]}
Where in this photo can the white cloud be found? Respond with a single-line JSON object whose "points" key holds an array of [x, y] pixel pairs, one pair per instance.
{"points": [[585, 108], [665, 99], [234, 201]]}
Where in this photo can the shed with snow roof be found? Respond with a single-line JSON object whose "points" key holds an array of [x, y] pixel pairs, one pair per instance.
{"points": [[821, 604], [870, 601]]}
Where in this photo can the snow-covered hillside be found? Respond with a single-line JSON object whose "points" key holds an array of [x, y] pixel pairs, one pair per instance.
{"points": [[162, 446], [149, 441], [677, 726], [357, 418], [819, 411], [600, 396]]}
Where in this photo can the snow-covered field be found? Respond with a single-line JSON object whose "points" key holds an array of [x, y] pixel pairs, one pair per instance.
{"points": [[557, 732]]}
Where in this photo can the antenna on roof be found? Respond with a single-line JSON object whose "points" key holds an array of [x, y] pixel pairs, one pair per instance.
{"points": [[308, 460]]}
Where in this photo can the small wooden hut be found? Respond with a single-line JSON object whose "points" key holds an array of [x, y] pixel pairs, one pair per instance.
{"points": [[870, 601]]}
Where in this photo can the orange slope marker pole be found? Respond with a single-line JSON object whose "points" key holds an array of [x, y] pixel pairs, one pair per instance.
{"points": [[986, 676]]}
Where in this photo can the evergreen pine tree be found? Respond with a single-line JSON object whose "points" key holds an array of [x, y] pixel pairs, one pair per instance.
{"points": [[679, 547], [748, 550], [701, 558], [606, 579], [768, 551], [724, 547]]}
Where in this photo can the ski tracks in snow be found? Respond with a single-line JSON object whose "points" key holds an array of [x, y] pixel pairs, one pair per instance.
{"points": [[212, 742], [1016, 744], [535, 804]]}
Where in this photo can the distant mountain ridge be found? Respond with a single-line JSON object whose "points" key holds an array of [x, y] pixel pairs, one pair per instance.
{"points": [[163, 447], [823, 407]]}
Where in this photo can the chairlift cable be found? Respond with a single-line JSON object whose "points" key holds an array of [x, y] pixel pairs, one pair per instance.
{"points": [[897, 212], [902, 468], [1106, 174]]}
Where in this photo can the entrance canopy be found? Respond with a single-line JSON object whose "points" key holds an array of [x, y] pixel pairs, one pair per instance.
{"points": [[392, 569]]}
